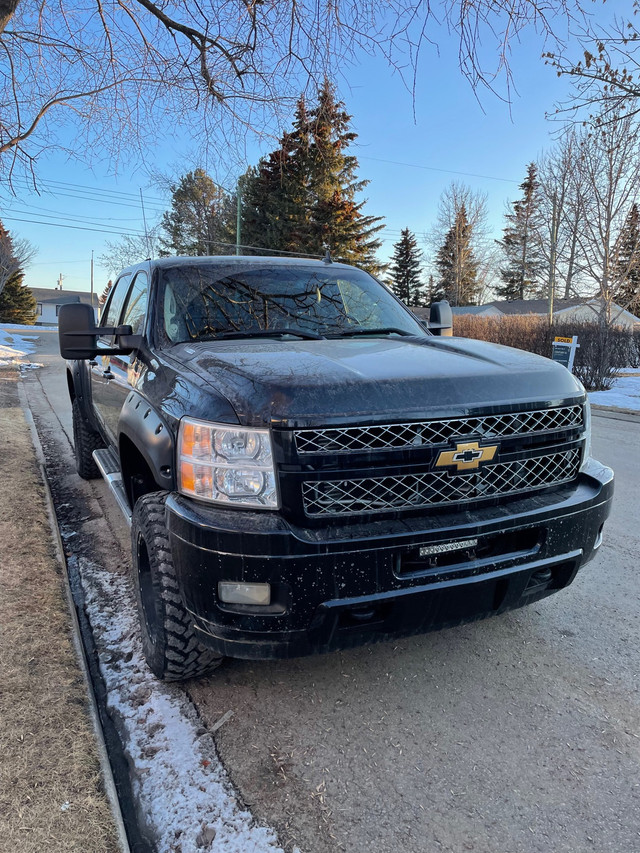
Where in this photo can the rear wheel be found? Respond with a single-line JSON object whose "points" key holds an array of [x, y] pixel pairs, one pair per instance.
{"points": [[85, 441], [169, 642]]}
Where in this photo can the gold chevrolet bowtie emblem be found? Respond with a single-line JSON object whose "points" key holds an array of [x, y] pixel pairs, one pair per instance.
{"points": [[467, 456]]}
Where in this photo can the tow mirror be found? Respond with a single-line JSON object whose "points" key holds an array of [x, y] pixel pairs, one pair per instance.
{"points": [[77, 331], [441, 318], [77, 334]]}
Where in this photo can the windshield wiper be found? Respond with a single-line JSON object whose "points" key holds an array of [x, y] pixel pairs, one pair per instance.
{"points": [[389, 330], [271, 333]]}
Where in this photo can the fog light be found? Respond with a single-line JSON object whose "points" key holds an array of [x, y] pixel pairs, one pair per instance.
{"points": [[244, 593]]}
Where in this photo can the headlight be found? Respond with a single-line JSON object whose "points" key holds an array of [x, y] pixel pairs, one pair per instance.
{"points": [[226, 465]]}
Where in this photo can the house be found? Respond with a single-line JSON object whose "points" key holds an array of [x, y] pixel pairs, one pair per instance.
{"points": [[576, 309], [49, 300], [476, 310]]}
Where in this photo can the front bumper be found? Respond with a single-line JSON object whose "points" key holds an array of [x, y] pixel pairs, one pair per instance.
{"points": [[341, 586]]}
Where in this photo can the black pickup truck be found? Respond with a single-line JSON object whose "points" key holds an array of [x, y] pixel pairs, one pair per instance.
{"points": [[306, 467]]}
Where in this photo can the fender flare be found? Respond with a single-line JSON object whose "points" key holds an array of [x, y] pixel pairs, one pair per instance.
{"points": [[152, 437], [79, 387]]}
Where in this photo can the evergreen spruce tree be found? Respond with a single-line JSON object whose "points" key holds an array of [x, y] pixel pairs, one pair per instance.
{"points": [[457, 264], [199, 222], [105, 293], [17, 302], [406, 273], [626, 265], [434, 293], [521, 275], [275, 198], [302, 197]]}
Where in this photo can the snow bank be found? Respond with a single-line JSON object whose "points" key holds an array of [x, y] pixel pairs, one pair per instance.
{"points": [[16, 327], [625, 394], [182, 790], [14, 346], [9, 355]]}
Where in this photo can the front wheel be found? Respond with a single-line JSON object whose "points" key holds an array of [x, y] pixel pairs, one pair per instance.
{"points": [[169, 642], [85, 441]]}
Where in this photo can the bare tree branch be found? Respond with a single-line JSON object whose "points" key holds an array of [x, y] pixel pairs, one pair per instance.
{"points": [[116, 69]]}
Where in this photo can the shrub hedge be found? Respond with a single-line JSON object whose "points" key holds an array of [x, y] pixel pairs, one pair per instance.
{"points": [[603, 351]]}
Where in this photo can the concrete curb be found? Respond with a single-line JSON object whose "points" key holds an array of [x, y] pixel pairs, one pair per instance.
{"points": [[105, 765], [616, 413]]}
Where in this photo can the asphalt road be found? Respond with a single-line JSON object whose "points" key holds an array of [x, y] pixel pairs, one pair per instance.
{"points": [[513, 735]]}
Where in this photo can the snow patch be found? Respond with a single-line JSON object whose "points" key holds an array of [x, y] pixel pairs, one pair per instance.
{"points": [[16, 327], [10, 356], [183, 793], [625, 394], [14, 346]]}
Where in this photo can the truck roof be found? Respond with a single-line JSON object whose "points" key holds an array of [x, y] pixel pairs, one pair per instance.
{"points": [[209, 260]]}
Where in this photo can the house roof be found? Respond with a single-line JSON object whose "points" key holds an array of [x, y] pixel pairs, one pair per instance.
{"points": [[535, 306], [476, 309], [541, 306], [53, 296]]}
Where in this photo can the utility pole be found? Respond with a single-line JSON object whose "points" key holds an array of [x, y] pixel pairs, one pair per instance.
{"points": [[144, 221], [552, 257], [238, 215], [60, 277], [92, 280]]}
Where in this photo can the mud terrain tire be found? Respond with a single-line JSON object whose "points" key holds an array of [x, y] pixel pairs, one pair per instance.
{"points": [[170, 645], [85, 441]]}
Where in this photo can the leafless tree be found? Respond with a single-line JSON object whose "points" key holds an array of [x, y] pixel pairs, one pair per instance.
{"points": [[130, 249], [606, 77], [611, 161], [563, 194], [121, 73], [454, 198]]}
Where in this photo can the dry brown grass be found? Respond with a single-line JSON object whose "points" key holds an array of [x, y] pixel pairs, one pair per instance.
{"points": [[51, 794]]}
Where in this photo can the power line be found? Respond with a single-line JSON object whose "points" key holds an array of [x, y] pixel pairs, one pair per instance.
{"points": [[61, 216], [435, 169], [100, 199], [38, 211], [104, 201], [73, 227], [94, 189]]}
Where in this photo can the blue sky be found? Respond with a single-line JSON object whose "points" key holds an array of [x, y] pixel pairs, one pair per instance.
{"points": [[409, 159]]}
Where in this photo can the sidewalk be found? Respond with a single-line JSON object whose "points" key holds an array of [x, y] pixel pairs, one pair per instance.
{"points": [[52, 793]]}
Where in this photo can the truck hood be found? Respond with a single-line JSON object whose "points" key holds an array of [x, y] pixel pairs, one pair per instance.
{"points": [[307, 383]]}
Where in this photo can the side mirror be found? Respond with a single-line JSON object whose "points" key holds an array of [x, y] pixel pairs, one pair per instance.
{"points": [[77, 333], [441, 318]]}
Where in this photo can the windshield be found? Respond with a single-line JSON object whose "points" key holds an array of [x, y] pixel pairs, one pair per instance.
{"points": [[205, 302]]}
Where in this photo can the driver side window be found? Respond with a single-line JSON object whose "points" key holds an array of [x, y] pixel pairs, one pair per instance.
{"points": [[136, 307], [113, 308]]}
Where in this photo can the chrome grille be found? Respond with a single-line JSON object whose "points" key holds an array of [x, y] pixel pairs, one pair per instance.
{"points": [[437, 488], [435, 432]]}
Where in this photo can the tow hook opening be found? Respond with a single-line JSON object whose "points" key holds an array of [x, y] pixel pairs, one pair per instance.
{"points": [[550, 578], [363, 614], [539, 580]]}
